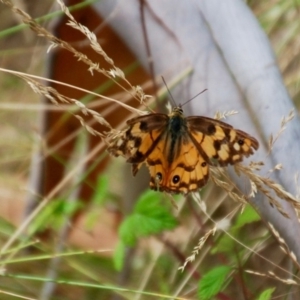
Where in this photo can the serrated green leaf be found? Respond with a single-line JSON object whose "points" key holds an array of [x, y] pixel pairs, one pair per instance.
{"points": [[267, 294], [212, 282], [149, 201], [249, 215], [149, 217], [119, 255]]}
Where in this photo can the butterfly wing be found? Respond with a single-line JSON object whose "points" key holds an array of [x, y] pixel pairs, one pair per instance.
{"points": [[220, 141], [140, 138], [178, 150], [187, 172]]}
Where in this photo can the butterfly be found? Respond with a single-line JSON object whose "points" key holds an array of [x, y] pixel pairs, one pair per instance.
{"points": [[178, 150]]}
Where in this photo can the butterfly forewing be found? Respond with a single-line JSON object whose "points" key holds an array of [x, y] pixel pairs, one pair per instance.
{"points": [[220, 141], [137, 141]]}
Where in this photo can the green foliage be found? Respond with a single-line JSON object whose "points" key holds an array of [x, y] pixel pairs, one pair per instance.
{"points": [[212, 282], [266, 295], [54, 214], [149, 217], [226, 244], [249, 215]]}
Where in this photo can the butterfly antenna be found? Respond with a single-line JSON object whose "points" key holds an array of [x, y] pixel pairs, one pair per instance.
{"points": [[168, 90], [194, 97]]}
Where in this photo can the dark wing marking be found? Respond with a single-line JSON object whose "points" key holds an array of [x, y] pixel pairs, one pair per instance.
{"points": [[186, 173], [220, 141], [137, 141]]}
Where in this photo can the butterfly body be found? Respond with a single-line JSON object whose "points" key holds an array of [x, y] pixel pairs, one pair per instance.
{"points": [[175, 132], [178, 150]]}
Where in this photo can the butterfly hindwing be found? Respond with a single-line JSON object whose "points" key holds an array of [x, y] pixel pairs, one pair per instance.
{"points": [[187, 172]]}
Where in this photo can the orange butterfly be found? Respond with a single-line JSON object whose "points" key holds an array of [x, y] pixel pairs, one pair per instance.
{"points": [[178, 150]]}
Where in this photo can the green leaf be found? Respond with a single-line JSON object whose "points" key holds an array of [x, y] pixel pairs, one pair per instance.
{"points": [[267, 294], [212, 282], [249, 215], [119, 255], [225, 244], [149, 217]]}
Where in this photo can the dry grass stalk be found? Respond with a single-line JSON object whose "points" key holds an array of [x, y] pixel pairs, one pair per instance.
{"points": [[228, 186], [278, 167], [284, 121], [284, 245], [135, 91], [266, 186], [223, 115], [197, 248], [273, 276], [52, 94]]}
